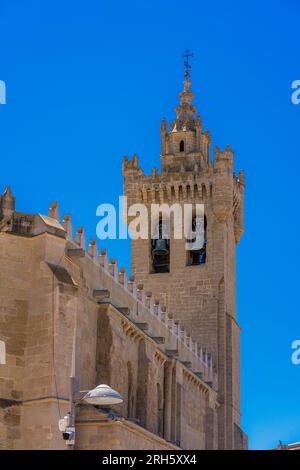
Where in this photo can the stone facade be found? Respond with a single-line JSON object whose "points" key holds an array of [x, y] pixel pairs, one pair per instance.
{"points": [[51, 291], [168, 342]]}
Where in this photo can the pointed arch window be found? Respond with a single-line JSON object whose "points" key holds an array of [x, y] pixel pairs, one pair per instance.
{"points": [[181, 146]]}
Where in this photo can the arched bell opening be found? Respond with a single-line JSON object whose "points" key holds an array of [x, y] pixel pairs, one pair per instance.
{"points": [[160, 249], [196, 254]]}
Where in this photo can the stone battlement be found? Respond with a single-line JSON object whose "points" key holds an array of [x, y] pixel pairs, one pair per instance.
{"points": [[114, 286], [143, 309], [159, 323], [215, 185]]}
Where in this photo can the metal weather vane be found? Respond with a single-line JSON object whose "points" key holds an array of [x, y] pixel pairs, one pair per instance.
{"points": [[186, 56]]}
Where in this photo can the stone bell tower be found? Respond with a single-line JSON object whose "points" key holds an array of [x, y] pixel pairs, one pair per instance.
{"points": [[199, 288]]}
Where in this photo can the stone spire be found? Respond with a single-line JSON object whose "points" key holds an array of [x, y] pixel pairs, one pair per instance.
{"points": [[184, 137], [185, 112]]}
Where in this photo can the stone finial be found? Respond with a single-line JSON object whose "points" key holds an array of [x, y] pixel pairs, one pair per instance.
{"points": [[150, 301], [103, 258], [7, 203], [141, 294], [157, 308], [208, 136], [123, 277], [163, 126], [67, 225], [125, 163], [242, 178], [135, 161], [113, 268], [198, 122], [80, 238], [132, 285], [93, 249], [216, 151], [163, 312], [53, 211], [139, 290]]}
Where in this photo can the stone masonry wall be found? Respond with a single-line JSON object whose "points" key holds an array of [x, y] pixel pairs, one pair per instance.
{"points": [[52, 302]]}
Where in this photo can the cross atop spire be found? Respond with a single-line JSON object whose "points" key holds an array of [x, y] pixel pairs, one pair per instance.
{"points": [[185, 112], [186, 57]]}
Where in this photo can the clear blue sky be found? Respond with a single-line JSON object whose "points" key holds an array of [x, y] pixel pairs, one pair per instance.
{"points": [[88, 82]]}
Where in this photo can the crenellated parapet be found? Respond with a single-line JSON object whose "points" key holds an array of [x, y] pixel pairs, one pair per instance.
{"points": [[146, 310], [217, 186], [114, 286], [168, 188], [143, 309]]}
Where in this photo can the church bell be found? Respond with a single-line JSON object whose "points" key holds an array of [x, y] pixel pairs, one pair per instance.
{"points": [[160, 248]]}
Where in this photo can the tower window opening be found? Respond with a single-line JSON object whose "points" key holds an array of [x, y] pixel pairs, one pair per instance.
{"points": [[180, 193], [173, 193], [197, 253], [181, 146], [160, 251]]}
